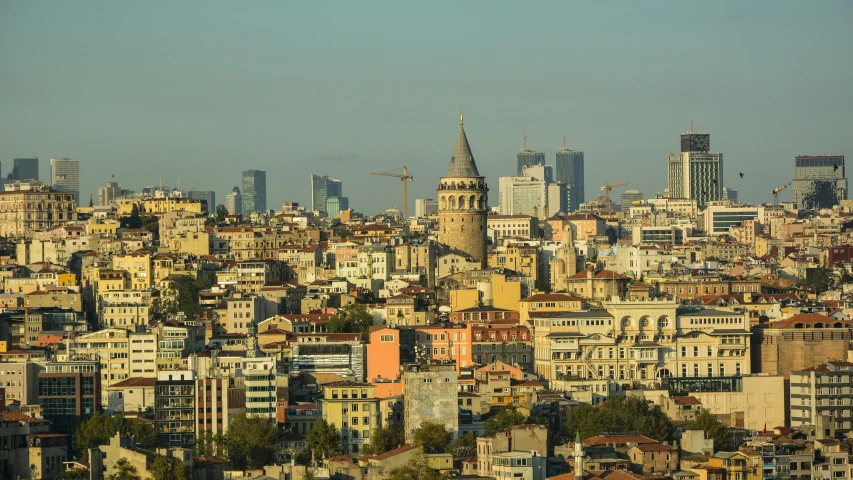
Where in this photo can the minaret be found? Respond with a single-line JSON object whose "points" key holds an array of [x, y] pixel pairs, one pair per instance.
{"points": [[463, 202], [578, 456], [253, 350]]}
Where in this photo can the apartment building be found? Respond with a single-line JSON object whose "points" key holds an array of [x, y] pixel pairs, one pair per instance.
{"points": [[175, 408], [825, 390], [354, 409]]}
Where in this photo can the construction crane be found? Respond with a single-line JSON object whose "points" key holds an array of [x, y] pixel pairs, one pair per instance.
{"points": [[606, 188], [776, 192], [405, 178]]}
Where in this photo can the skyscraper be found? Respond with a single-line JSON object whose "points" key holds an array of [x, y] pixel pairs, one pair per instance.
{"points": [[254, 191], [820, 181], [323, 187], [234, 202], [696, 174], [570, 171], [207, 195], [65, 176], [463, 202], [24, 169], [527, 157], [334, 205], [533, 193]]}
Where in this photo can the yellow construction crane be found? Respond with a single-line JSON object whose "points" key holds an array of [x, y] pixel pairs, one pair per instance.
{"points": [[606, 188], [776, 192], [405, 177]]}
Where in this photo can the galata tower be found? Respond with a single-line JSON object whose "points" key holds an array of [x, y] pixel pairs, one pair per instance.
{"points": [[463, 203]]}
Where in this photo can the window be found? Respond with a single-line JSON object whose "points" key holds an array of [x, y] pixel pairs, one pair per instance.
{"points": [[386, 338]]}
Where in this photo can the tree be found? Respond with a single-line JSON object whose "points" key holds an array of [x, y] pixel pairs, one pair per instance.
{"points": [[416, 468], [507, 417], [434, 437], [169, 468], [619, 414], [99, 428], [73, 474], [712, 426], [221, 213], [210, 445], [251, 442], [353, 318], [323, 440], [124, 471], [464, 447], [385, 439]]}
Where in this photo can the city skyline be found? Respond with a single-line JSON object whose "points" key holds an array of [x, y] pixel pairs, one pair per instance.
{"points": [[599, 83]]}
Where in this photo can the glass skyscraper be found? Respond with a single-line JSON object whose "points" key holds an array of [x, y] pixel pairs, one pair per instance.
{"points": [[65, 176], [570, 171], [528, 158], [207, 195], [254, 191], [24, 169], [322, 188], [820, 181]]}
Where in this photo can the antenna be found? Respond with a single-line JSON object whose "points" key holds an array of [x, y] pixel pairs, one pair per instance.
{"points": [[525, 141], [691, 126], [564, 141], [461, 118]]}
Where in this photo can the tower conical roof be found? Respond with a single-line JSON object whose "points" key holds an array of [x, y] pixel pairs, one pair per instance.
{"points": [[462, 162]]}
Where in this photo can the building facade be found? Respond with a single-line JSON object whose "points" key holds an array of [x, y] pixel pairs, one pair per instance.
{"points": [[26, 207], [65, 176], [24, 170], [570, 170], [825, 390], [207, 196], [430, 394], [234, 202], [254, 191], [820, 181], [463, 203], [323, 187], [695, 173]]}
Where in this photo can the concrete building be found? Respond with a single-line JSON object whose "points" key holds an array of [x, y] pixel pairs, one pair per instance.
{"points": [[523, 465], [254, 191], [719, 218], [425, 206], [70, 391], [820, 181], [695, 173], [463, 203], [108, 193], [322, 188], [234, 202], [354, 409], [533, 193], [175, 408], [29, 449], [335, 205], [65, 176], [527, 157], [530, 439], [24, 170], [629, 197], [825, 390], [430, 394], [570, 170]]}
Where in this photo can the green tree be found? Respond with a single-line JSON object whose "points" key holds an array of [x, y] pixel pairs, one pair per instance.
{"points": [[507, 417], [221, 213], [464, 447], [713, 427], [73, 474], [303, 457], [323, 440], [169, 468], [94, 431], [251, 441], [359, 318], [416, 468], [434, 437], [619, 414], [208, 444], [384, 439], [124, 471]]}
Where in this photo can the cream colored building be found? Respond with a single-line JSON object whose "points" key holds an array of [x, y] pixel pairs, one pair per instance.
{"points": [[122, 354], [33, 206], [761, 399], [639, 341], [138, 267]]}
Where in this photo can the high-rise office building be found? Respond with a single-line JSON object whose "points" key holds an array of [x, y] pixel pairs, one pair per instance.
{"points": [[533, 193], [695, 173], [108, 193], [24, 169], [820, 181], [729, 194], [254, 191], [234, 202], [628, 198], [323, 187], [208, 196], [569, 170], [527, 157], [65, 176], [463, 203], [335, 205]]}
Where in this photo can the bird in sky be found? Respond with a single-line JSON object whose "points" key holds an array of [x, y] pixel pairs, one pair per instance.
{"points": [[741, 174]]}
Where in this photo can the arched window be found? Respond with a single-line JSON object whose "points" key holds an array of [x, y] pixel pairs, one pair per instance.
{"points": [[471, 202], [481, 203], [442, 202], [452, 203]]}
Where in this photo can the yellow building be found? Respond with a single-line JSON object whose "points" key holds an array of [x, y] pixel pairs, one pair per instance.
{"points": [[31, 206], [354, 409], [158, 205], [549, 303], [138, 267], [105, 227], [519, 257], [738, 465]]}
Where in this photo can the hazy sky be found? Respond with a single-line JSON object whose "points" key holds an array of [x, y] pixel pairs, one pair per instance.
{"points": [[197, 91]]}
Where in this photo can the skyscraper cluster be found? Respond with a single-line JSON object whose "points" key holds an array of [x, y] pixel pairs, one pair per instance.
{"points": [[327, 195]]}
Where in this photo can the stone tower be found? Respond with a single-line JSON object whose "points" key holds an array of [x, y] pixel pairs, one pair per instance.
{"points": [[565, 262], [462, 203]]}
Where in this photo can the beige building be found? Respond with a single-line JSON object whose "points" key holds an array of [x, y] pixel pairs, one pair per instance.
{"points": [[138, 267], [640, 342], [522, 438], [122, 354], [33, 206]]}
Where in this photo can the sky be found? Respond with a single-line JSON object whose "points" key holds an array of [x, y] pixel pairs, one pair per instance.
{"points": [[194, 92]]}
